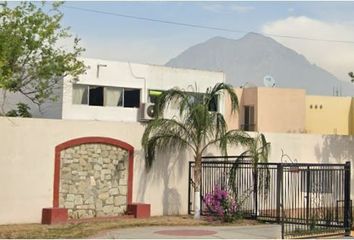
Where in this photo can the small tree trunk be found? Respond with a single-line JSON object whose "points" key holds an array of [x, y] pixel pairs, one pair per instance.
{"points": [[197, 178]]}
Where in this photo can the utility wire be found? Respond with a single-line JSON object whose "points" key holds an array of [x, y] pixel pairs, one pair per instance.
{"points": [[201, 26]]}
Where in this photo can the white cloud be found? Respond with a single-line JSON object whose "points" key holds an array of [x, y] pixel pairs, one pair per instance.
{"points": [[337, 58]]}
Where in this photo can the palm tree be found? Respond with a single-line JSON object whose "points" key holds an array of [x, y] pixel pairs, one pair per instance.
{"points": [[194, 128], [258, 150]]}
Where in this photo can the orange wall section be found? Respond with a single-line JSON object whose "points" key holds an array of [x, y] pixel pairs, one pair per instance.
{"points": [[281, 110], [276, 109]]}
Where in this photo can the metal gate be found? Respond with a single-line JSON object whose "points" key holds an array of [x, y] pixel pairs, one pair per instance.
{"points": [[315, 199], [306, 199]]}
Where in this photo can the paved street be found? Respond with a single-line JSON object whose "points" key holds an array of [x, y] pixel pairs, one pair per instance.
{"points": [[196, 232]]}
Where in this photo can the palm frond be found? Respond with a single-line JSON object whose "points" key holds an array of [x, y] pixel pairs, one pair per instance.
{"points": [[233, 173], [234, 137], [173, 95], [161, 133], [220, 88], [196, 127], [264, 149], [258, 149]]}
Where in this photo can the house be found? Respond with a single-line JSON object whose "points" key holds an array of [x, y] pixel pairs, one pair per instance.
{"points": [[285, 110], [120, 91]]}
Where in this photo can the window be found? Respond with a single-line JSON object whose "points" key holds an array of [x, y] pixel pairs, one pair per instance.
{"points": [[96, 96], [213, 105], [249, 124], [131, 98], [80, 94], [193, 98], [199, 98], [106, 96], [154, 95], [113, 96]]}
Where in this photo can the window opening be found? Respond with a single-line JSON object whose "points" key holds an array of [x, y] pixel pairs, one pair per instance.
{"points": [[80, 95], [96, 96], [131, 98]]}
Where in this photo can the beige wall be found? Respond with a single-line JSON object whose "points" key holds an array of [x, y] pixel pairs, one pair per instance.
{"points": [[330, 115], [245, 96], [27, 166], [276, 109], [27, 163], [281, 110]]}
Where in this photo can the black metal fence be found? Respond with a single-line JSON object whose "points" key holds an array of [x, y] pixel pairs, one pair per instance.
{"points": [[306, 199]]}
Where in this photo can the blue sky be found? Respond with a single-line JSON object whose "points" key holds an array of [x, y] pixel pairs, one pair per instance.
{"points": [[111, 37]]}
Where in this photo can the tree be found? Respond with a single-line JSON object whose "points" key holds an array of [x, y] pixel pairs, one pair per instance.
{"points": [[195, 128], [22, 111], [351, 75], [31, 62], [258, 151]]}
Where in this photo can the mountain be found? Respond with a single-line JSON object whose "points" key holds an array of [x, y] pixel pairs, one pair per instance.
{"points": [[247, 60]]}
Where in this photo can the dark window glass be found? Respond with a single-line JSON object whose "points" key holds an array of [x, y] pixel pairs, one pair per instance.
{"points": [[213, 105], [249, 124], [96, 96], [131, 98]]}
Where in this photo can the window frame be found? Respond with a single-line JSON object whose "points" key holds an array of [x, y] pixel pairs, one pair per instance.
{"points": [[250, 125], [94, 85]]}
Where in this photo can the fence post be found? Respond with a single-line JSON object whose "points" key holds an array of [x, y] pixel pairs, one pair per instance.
{"points": [[189, 187], [347, 207], [279, 186], [255, 191]]}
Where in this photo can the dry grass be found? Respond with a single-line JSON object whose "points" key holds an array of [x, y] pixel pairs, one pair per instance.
{"points": [[82, 230]]}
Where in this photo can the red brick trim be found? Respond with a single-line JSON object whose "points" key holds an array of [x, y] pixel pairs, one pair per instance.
{"points": [[79, 141], [54, 215]]}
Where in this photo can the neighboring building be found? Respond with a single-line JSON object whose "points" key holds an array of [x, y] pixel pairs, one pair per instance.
{"points": [[291, 111], [330, 115], [121, 91], [269, 110]]}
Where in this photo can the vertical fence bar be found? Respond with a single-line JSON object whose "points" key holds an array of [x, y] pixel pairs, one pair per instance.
{"points": [[279, 186], [308, 179], [189, 187], [347, 210], [255, 184], [281, 200]]}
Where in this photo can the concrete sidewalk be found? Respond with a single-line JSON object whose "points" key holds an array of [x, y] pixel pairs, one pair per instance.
{"points": [[269, 231]]}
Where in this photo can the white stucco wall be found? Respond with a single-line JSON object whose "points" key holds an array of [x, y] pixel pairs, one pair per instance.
{"points": [[133, 75], [27, 163]]}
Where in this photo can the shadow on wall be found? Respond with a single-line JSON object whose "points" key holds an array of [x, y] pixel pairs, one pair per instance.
{"points": [[335, 149], [168, 169]]}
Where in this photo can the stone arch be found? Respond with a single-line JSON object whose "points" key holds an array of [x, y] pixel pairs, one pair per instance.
{"points": [[97, 143]]}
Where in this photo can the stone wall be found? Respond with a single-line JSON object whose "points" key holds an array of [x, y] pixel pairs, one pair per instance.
{"points": [[93, 180]]}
